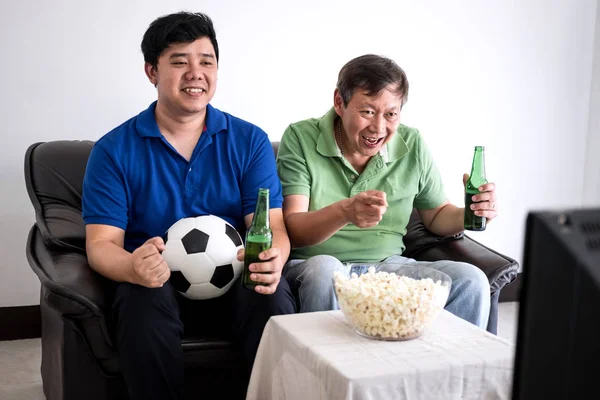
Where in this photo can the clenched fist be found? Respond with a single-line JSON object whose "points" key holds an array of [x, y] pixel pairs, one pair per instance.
{"points": [[149, 267]]}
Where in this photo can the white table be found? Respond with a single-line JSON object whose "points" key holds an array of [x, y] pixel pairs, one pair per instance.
{"points": [[319, 356]]}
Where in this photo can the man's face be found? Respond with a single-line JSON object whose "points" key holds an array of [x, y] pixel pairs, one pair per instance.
{"points": [[369, 121], [185, 77]]}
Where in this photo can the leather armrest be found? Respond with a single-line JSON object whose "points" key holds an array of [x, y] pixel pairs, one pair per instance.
{"points": [[499, 268], [79, 294], [423, 245], [73, 288]]}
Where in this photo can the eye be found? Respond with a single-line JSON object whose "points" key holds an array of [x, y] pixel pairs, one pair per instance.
{"points": [[178, 63], [207, 63], [368, 113], [392, 115]]}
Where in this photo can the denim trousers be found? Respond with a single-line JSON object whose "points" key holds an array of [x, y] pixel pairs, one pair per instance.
{"points": [[311, 282]]}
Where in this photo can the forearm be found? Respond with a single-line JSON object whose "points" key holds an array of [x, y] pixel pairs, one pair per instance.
{"points": [[313, 227], [448, 221], [110, 261], [282, 242]]}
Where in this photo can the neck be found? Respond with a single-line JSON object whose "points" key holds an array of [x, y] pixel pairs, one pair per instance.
{"points": [[171, 124], [339, 140]]}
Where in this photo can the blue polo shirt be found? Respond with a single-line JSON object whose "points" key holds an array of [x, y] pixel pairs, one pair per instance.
{"points": [[135, 180]]}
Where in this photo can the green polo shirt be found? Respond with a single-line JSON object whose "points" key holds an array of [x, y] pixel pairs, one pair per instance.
{"points": [[309, 163]]}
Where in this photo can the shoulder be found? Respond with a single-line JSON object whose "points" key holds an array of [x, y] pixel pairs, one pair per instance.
{"points": [[409, 134], [127, 136], [115, 143], [239, 134], [236, 125], [308, 128], [413, 139], [304, 133]]}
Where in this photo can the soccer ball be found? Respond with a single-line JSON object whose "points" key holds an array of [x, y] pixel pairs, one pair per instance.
{"points": [[201, 253]]}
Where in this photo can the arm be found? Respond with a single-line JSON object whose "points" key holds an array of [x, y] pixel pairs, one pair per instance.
{"points": [[308, 228], [444, 220], [106, 255], [104, 247]]}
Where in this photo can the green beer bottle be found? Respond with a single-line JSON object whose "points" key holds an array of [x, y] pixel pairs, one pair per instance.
{"points": [[474, 222], [258, 238]]}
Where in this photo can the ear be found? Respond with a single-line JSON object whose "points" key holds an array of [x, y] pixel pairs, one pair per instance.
{"points": [[151, 73], [338, 102]]}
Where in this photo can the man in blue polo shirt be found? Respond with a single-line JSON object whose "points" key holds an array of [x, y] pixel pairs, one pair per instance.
{"points": [[179, 158]]}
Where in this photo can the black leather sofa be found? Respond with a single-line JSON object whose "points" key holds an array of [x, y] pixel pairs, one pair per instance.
{"points": [[79, 360]]}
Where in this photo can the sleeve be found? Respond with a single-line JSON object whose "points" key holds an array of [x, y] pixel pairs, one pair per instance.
{"points": [[431, 189], [104, 199], [261, 172], [291, 165]]}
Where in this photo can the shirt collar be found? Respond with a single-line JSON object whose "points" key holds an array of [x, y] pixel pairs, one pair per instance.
{"points": [[327, 145], [146, 125]]}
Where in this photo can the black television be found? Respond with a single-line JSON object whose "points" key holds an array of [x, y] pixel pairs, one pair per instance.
{"points": [[557, 352]]}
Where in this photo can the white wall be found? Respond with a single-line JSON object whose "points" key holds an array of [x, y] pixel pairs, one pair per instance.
{"points": [[591, 192], [513, 76]]}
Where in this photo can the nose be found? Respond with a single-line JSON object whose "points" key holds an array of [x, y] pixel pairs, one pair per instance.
{"points": [[194, 72], [379, 124]]}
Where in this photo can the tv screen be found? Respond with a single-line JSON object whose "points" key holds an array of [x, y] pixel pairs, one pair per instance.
{"points": [[558, 334]]}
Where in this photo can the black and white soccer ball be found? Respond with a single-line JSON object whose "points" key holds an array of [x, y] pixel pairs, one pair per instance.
{"points": [[201, 253]]}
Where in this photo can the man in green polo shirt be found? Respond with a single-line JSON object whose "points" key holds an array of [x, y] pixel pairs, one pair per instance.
{"points": [[350, 182]]}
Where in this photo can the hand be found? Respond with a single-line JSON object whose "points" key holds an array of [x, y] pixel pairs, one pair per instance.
{"points": [[268, 271], [486, 200], [149, 267], [366, 209]]}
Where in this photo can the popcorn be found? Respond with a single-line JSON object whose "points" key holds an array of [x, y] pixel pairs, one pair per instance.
{"points": [[387, 305]]}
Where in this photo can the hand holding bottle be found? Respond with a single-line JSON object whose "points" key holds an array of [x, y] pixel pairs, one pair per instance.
{"points": [[483, 204], [266, 273], [480, 195]]}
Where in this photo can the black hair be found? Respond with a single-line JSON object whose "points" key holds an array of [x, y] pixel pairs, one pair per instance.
{"points": [[181, 27], [372, 74]]}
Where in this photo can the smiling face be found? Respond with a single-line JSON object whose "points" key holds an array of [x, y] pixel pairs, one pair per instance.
{"points": [[185, 77], [368, 122]]}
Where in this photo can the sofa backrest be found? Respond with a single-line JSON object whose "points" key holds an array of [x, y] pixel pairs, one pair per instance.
{"points": [[54, 174]]}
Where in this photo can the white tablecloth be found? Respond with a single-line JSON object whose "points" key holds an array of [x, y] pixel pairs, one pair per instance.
{"points": [[319, 356]]}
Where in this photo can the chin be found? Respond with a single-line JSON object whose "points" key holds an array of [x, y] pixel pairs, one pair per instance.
{"points": [[193, 109]]}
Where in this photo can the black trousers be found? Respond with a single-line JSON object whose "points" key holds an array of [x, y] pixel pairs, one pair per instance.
{"points": [[149, 329]]}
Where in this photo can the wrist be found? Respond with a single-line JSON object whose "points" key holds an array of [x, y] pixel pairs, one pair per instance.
{"points": [[343, 210], [130, 276]]}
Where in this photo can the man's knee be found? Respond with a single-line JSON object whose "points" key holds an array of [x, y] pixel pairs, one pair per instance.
{"points": [[472, 279], [322, 267]]}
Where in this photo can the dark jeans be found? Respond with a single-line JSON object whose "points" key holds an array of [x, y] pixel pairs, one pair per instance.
{"points": [[149, 328]]}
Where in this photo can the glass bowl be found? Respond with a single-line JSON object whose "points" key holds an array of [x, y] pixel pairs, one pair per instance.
{"points": [[392, 301]]}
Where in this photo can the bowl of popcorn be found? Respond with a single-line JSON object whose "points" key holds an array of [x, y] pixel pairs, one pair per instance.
{"points": [[392, 301]]}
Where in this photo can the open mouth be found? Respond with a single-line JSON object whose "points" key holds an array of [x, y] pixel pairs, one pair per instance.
{"points": [[371, 142]]}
